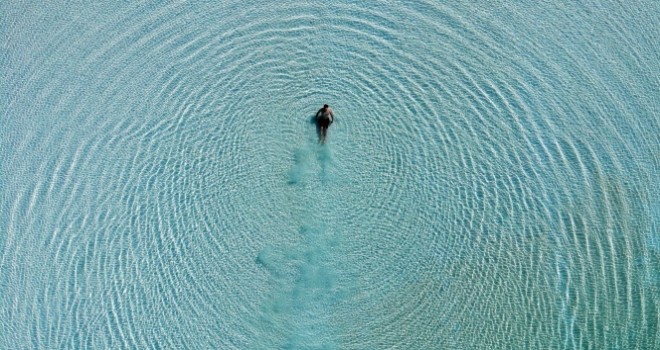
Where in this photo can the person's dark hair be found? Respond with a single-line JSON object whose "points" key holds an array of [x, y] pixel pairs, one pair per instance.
{"points": [[325, 106]]}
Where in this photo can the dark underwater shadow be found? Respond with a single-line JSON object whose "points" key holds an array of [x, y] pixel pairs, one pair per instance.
{"points": [[313, 120]]}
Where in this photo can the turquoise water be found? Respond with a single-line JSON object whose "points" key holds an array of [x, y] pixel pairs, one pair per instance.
{"points": [[492, 180]]}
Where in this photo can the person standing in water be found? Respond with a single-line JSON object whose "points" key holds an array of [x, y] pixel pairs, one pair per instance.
{"points": [[324, 117]]}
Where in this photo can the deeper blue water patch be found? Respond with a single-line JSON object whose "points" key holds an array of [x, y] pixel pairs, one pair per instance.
{"points": [[491, 179]]}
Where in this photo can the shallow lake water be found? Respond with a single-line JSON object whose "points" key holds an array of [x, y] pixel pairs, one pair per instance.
{"points": [[492, 180]]}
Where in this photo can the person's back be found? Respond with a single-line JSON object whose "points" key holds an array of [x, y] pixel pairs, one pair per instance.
{"points": [[324, 117]]}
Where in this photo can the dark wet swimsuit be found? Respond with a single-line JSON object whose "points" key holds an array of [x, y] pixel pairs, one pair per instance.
{"points": [[324, 121]]}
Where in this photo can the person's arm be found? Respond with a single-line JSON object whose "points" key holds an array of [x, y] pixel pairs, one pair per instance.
{"points": [[317, 113]]}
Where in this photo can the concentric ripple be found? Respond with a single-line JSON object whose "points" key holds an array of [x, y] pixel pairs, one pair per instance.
{"points": [[491, 180]]}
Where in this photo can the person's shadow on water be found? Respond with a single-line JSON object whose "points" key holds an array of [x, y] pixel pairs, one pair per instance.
{"points": [[313, 120]]}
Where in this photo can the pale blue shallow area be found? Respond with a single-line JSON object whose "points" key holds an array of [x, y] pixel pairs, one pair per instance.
{"points": [[492, 180]]}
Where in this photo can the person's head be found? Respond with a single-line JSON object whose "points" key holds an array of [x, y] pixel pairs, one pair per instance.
{"points": [[325, 106]]}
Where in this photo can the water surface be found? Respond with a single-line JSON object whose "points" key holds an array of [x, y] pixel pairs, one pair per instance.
{"points": [[492, 179]]}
